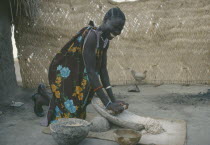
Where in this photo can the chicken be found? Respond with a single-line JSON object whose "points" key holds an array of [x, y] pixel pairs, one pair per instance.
{"points": [[139, 77]]}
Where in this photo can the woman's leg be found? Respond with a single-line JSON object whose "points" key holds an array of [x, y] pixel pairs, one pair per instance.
{"points": [[41, 98], [45, 95]]}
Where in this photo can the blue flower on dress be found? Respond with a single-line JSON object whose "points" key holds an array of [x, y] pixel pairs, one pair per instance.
{"points": [[79, 39], [54, 121], [85, 71], [57, 111], [65, 72], [97, 74], [69, 104], [86, 76], [59, 67]]}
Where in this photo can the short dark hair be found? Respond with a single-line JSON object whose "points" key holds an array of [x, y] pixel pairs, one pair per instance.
{"points": [[114, 12]]}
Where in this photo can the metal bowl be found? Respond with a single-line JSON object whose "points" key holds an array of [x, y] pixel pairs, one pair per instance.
{"points": [[69, 131], [127, 136]]}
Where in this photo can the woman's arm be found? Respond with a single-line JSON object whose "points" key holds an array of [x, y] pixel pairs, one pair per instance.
{"points": [[90, 64], [105, 76], [105, 80]]}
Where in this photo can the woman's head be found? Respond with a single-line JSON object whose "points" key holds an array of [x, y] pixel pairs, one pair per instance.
{"points": [[113, 23], [114, 13]]}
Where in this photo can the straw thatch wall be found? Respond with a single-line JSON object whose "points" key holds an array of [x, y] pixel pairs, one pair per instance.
{"points": [[169, 39]]}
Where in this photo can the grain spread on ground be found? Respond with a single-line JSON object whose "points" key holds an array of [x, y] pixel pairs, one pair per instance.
{"points": [[151, 125]]}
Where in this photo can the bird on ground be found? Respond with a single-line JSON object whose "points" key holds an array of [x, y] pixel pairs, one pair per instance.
{"points": [[139, 77]]}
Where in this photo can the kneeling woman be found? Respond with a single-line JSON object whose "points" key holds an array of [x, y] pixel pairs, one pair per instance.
{"points": [[76, 71]]}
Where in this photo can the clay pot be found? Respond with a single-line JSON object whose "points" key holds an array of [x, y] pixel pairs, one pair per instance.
{"points": [[69, 131], [127, 136]]}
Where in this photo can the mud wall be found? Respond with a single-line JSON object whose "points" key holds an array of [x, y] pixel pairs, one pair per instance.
{"points": [[169, 39], [8, 83]]}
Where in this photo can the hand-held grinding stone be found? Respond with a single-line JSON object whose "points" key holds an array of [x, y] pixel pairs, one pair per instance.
{"points": [[99, 124], [69, 131]]}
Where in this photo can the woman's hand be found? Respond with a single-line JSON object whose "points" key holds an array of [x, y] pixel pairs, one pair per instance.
{"points": [[122, 103], [115, 107]]}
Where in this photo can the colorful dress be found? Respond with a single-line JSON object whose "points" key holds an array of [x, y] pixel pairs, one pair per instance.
{"points": [[69, 82]]}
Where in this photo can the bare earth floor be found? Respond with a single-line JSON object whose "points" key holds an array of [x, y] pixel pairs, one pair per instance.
{"points": [[20, 126]]}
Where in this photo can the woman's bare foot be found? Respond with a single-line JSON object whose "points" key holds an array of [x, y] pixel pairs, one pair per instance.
{"points": [[44, 122]]}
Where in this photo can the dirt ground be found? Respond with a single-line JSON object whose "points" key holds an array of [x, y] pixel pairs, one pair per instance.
{"points": [[20, 126]]}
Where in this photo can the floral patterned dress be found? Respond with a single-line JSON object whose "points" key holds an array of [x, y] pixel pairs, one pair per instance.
{"points": [[69, 81]]}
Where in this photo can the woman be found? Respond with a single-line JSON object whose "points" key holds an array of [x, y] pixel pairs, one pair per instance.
{"points": [[75, 71]]}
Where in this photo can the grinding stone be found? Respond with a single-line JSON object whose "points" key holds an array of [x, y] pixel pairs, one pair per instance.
{"points": [[99, 124]]}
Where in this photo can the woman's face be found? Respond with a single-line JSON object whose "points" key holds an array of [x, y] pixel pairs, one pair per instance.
{"points": [[113, 27]]}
